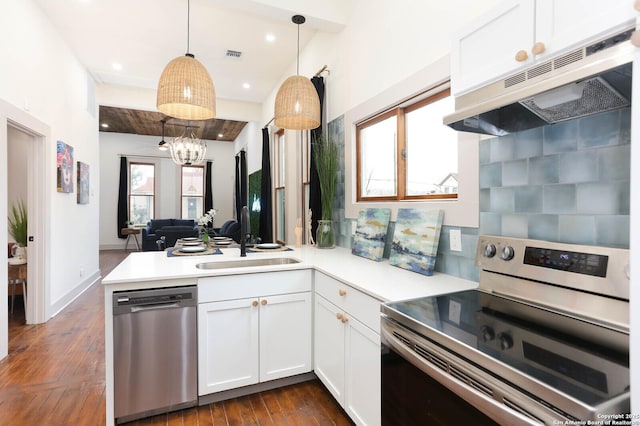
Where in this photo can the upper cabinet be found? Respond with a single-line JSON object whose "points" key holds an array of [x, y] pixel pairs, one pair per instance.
{"points": [[518, 33]]}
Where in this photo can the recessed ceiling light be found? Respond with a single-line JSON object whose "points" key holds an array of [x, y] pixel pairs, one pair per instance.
{"points": [[246, 85], [105, 125], [116, 66], [220, 135], [270, 38]]}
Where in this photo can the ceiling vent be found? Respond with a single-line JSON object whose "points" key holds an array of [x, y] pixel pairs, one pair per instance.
{"points": [[233, 54]]}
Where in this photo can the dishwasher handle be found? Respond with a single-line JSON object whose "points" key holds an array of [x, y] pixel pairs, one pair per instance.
{"points": [[141, 308]]}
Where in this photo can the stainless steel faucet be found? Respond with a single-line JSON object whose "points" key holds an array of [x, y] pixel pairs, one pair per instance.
{"points": [[244, 225]]}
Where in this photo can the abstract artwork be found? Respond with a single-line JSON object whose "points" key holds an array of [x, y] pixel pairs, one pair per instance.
{"points": [[83, 183], [64, 164], [371, 231], [415, 240]]}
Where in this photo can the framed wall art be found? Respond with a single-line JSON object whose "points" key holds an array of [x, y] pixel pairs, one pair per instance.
{"points": [[83, 183], [64, 164]]}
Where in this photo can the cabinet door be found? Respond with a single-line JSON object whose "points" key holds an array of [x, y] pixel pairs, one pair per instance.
{"points": [[486, 50], [565, 24], [329, 347], [227, 345], [285, 335], [363, 392]]}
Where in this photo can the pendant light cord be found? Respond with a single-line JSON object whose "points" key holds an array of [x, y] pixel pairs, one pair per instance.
{"points": [[298, 56], [188, 23]]}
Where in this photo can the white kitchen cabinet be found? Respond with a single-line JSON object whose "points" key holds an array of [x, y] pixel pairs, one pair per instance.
{"points": [[347, 352], [248, 332], [285, 335], [519, 33], [227, 345]]}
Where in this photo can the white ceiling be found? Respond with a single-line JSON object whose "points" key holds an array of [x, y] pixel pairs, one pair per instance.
{"points": [[144, 35]]}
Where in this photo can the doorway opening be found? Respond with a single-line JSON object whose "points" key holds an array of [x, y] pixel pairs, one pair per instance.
{"points": [[22, 157]]}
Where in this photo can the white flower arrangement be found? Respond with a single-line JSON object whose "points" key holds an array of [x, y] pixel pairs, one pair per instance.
{"points": [[207, 218]]}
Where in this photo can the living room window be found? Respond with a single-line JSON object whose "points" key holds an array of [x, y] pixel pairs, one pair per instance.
{"points": [[141, 192], [192, 195], [406, 153]]}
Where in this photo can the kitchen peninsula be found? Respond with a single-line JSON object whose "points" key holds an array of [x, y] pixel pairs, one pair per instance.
{"points": [[330, 291]]}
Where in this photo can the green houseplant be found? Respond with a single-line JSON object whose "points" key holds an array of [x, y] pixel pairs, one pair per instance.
{"points": [[18, 223], [326, 156]]}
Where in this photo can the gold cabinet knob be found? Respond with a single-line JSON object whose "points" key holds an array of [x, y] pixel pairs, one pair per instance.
{"points": [[254, 303], [339, 316], [538, 48], [635, 37], [344, 319], [342, 292], [264, 302], [521, 56]]}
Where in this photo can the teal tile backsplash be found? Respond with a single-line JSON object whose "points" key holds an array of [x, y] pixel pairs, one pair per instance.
{"points": [[575, 189], [568, 182]]}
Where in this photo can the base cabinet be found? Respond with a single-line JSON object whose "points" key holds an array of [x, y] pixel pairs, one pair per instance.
{"points": [[258, 337], [347, 361]]}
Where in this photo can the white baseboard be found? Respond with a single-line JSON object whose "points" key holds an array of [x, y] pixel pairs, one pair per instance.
{"points": [[66, 300]]}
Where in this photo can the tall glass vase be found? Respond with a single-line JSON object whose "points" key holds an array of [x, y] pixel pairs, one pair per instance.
{"points": [[325, 235]]}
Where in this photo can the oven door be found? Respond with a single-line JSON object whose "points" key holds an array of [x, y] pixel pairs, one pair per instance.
{"points": [[430, 388]]}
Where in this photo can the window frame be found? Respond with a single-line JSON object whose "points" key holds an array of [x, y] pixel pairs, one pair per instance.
{"points": [[129, 194], [182, 196], [400, 112]]}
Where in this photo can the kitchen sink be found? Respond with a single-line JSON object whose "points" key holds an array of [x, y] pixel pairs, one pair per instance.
{"points": [[246, 263]]}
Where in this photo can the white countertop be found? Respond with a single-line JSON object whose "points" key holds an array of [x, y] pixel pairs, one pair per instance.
{"points": [[378, 279]]}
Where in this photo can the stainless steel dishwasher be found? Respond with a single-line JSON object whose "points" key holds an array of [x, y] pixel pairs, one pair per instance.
{"points": [[155, 351]]}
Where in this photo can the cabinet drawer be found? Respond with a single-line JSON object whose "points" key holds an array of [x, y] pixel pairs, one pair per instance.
{"points": [[228, 287], [354, 302]]}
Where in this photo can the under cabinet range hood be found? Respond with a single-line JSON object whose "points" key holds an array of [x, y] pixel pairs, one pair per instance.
{"points": [[585, 81]]}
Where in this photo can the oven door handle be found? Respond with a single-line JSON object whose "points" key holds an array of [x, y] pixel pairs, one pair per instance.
{"points": [[489, 406]]}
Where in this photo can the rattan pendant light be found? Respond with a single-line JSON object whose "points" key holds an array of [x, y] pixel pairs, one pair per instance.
{"points": [[297, 105], [185, 89]]}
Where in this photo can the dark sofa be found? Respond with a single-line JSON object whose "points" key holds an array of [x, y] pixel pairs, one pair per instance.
{"points": [[170, 229], [230, 229]]}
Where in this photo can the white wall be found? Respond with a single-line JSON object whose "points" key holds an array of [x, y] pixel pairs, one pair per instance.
{"points": [[18, 146], [47, 82], [144, 149]]}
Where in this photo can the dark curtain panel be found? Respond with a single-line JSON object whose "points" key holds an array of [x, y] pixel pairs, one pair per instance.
{"points": [[244, 180], [314, 184], [208, 190], [122, 197], [266, 203], [238, 198]]}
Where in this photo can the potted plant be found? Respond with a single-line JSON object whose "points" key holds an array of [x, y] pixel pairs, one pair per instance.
{"points": [[18, 227], [326, 156]]}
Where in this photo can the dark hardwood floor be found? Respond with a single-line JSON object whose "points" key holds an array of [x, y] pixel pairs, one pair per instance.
{"points": [[54, 375]]}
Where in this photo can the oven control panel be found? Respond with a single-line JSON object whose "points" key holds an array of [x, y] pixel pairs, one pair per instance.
{"points": [[603, 270]]}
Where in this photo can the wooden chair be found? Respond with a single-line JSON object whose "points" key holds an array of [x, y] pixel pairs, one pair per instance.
{"points": [[17, 276]]}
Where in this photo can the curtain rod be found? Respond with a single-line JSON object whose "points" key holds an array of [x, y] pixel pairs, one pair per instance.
{"points": [[320, 71]]}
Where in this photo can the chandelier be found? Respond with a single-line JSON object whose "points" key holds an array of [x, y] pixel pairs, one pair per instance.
{"points": [[187, 149]]}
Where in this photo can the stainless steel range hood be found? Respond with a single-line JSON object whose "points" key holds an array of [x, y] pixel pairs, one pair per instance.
{"points": [[585, 81]]}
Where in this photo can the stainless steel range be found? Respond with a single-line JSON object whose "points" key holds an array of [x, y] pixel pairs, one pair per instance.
{"points": [[543, 340]]}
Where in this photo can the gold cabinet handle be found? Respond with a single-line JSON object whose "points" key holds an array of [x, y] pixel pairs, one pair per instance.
{"points": [[344, 319], [342, 292], [254, 303], [635, 37], [538, 48], [521, 56], [339, 316], [264, 302]]}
